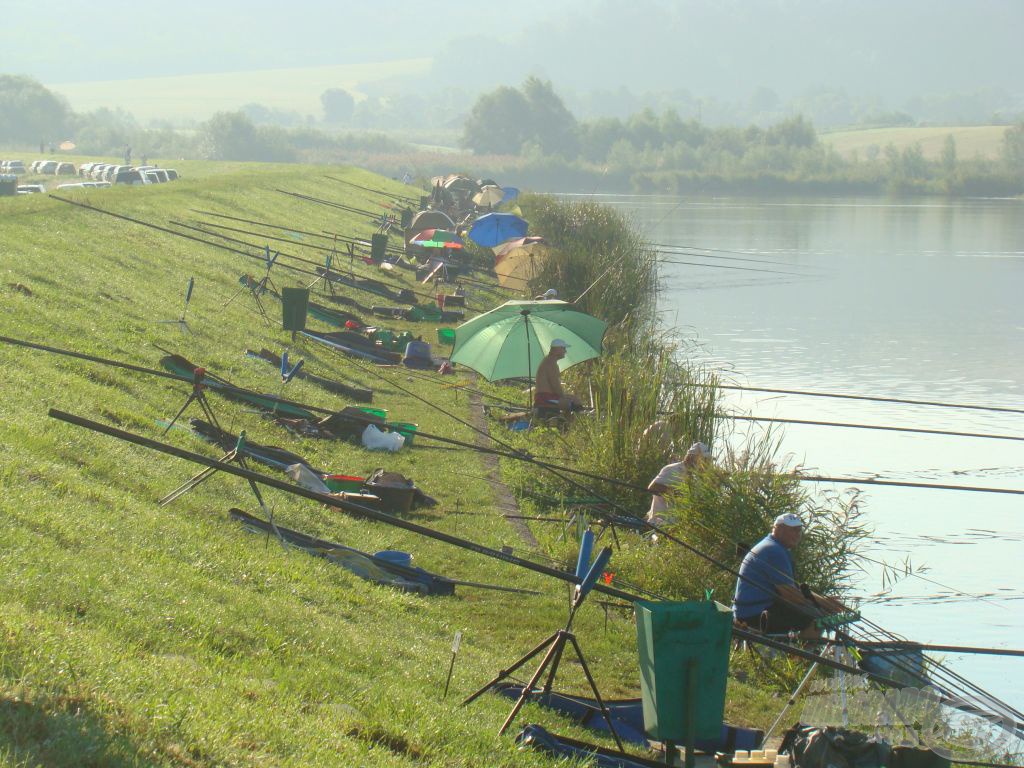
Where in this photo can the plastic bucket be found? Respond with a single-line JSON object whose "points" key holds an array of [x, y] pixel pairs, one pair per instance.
{"points": [[344, 483], [395, 556], [405, 429], [446, 336]]}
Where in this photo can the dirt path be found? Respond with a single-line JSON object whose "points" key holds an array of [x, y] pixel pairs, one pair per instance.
{"points": [[502, 493]]}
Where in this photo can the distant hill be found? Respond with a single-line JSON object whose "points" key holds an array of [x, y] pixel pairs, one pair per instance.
{"points": [[971, 141], [196, 97]]}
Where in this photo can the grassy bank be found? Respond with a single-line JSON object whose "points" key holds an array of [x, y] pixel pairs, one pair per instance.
{"points": [[139, 635]]}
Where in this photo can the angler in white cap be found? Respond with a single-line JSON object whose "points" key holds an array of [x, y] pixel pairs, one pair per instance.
{"points": [[670, 476], [767, 596], [549, 392]]}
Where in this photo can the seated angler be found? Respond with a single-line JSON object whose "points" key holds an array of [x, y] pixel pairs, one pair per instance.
{"points": [[549, 392], [767, 596], [670, 476]]}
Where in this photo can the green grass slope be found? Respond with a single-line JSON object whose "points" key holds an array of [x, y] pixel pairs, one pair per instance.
{"points": [[137, 635]]}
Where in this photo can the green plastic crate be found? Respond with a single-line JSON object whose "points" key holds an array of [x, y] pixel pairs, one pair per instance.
{"points": [[675, 641]]}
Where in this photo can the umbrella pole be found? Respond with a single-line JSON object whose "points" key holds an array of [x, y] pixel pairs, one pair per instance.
{"points": [[529, 364]]}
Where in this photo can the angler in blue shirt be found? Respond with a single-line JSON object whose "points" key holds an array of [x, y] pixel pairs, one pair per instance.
{"points": [[767, 596]]}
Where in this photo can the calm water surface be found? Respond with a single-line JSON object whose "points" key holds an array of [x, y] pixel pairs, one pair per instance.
{"points": [[920, 300]]}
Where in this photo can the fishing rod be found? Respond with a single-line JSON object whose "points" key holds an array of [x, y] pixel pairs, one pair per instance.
{"points": [[360, 510], [676, 247], [909, 645], [329, 236], [871, 398], [184, 235], [703, 255], [914, 430], [393, 195], [907, 484], [727, 266], [332, 204], [396, 286]]}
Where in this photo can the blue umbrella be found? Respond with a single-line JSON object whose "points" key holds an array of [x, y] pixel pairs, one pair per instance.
{"points": [[494, 228]]}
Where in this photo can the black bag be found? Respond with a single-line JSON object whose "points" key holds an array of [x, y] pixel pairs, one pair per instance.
{"points": [[831, 747]]}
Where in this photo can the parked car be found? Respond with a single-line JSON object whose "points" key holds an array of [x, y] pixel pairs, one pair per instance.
{"points": [[31, 189], [157, 176], [127, 176], [85, 168], [111, 171], [17, 167], [96, 172], [64, 169], [34, 167], [172, 175], [48, 167]]}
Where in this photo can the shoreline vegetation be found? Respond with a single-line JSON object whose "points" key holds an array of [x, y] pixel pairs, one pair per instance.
{"points": [[527, 135]]}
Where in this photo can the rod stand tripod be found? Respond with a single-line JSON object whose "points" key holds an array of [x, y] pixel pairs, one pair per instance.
{"points": [[555, 646], [197, 395], [236, 455], [325, 275], [256, 287], [181, 322]]}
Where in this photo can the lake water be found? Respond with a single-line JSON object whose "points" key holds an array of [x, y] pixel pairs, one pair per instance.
{"points": [[918, 300]]}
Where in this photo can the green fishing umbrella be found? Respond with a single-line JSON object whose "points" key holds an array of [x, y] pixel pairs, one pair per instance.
{"points": [[510, 341]]}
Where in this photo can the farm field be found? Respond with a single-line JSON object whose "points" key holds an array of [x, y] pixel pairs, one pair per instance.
{"points": [[196, 97], [971, 141], [140, 635]]}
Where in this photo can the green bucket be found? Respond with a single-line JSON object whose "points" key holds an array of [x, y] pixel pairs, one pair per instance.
{"points": [[344, 483], [684, 665], [446, 336], [380, 413], [405, 429]]}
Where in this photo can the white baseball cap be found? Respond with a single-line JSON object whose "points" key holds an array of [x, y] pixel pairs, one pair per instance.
{"points": [[698, 449], [559, 343], [793, 521]]}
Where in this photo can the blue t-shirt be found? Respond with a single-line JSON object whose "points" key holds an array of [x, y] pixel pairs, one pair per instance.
{"points": [[767, 565]]}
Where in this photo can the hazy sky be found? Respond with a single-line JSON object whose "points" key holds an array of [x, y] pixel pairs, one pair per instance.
{"points": [[895, 49]]}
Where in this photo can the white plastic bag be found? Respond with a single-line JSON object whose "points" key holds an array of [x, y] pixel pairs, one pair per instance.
{"points": [[376, 440]]}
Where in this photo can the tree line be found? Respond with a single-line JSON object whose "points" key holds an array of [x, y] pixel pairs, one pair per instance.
{"points": [[664, 152], [33, 116]]}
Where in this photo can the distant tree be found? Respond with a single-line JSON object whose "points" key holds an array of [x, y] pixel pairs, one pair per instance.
{"points": [[948, 157], [794, 132], [504, 120], [261, 114], [1013, 148], [338, 105], [498, 123], [553, 125], [233, 136], [30, 112]]}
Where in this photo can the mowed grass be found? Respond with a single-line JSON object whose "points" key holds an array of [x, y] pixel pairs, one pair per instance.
{"points": [[139, 635], [196, 97], [982, 141]]}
